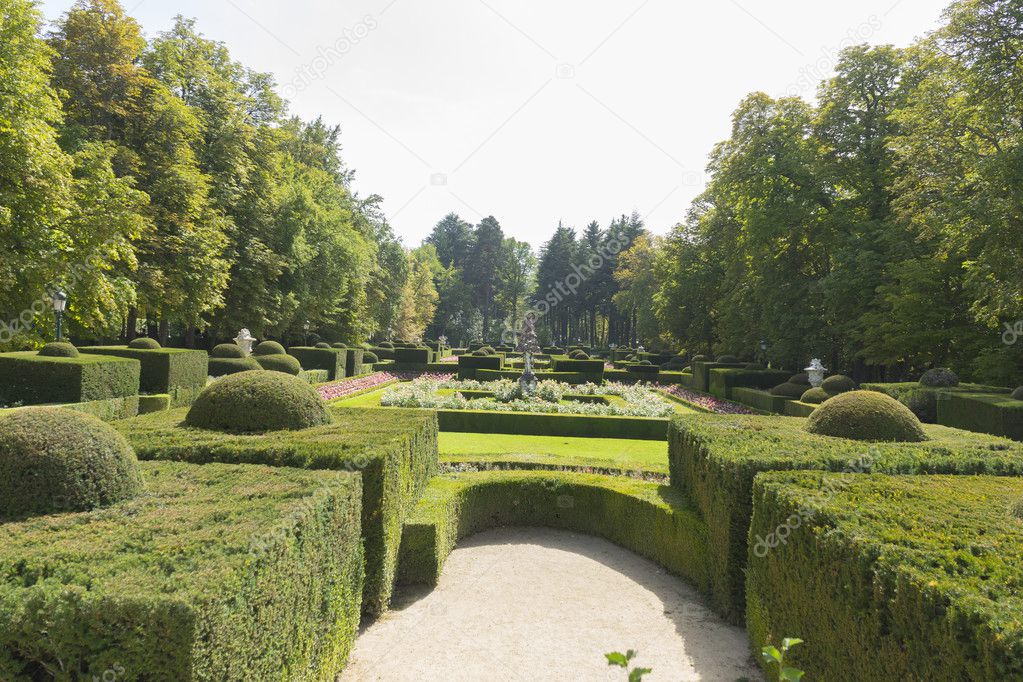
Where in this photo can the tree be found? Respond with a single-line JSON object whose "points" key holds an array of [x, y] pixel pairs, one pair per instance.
{"points": [[482, 270], [635, 276], [518, 267], [419, 296]]}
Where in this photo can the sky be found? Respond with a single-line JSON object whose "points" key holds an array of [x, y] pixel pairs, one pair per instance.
{"points": [[534, 111]]}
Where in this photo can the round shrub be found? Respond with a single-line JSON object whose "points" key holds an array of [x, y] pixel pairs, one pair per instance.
{"points": [[58, 460], [631, 358], [280, 363], [479, 353], [923, 402], [789, 390], [268, 348], [223, 366], [1018, 394], [59, 349], [802, 379], [700, 358], [729, 359], [370, 358], [322, 344], [144, 343], [488, 350], [387, 344], [227, 350], [675, 364], [867, 416], [754, 367], [645, 363], [338, 345], [814, 396], [254, 402], [939, 377], [839, 383], [579, 355]]}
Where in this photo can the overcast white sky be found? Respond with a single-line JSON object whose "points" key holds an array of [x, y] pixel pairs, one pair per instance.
{"points": [[535, 111]]}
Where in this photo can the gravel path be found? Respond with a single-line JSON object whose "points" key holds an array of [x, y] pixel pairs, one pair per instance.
{"points": [[540, 604]]}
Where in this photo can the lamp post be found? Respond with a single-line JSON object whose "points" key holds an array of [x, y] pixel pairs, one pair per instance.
{"points": [[763, 351], [59, 304], [305, 328]]}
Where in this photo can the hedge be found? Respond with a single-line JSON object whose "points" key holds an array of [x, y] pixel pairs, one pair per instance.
{"points": [[923, 400], [178, 372], [314, 376], [383, 353], [594, 369], [220, 367], [648, 372], [722, 381], [713, 459], [353, 362], [652, 520], [154, 403], [108, 410], [433, 367], [760, 400], [199, 579], [540, 424], [701, 373], [414, 355], [797, 408], [999, 415], [396, 451], [33, 379], [331, 359], [468, 365], [889, 578]]}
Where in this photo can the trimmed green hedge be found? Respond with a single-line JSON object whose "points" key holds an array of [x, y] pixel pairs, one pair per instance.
{"points": [[395, 449], [592, 370], [154, 403], [713, 459], [178, 372], [701, 373], [797, 408], [440, 367], [200, 579], [111, 409], [538, 424], [469, 366], [419, 356], [220, 367], [722, 381], [353, 361], [34, 379], [889, 578], [999, 415], [652, 520], [760, 400], [331, 359]]}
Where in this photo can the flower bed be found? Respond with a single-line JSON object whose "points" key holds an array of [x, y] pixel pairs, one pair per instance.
{"points": [[636, 400], [707, 402], [349, 387]]}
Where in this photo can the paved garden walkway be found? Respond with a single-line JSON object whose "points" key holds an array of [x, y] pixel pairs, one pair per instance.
{"points": [[540, 604]]}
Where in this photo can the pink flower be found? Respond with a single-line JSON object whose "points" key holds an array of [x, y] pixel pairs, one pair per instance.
{"points": [[346, 387], [707, 402]]}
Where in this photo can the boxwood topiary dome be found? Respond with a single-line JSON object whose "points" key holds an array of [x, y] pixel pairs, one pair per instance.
{"points": [[322, 344], [269, 348], [789, 390], [144, 343], [285, 364], [227, 350], [59, 349], [803, 379], [728, 359], [867, 416], [369, 358], [258, 401], [839, 383], [815, 396], [338, 345], [1018, 394], [939, 377], [59, 460]]}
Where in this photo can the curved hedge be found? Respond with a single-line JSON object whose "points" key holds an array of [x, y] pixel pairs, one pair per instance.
{"points": [[227, 350], [268, 348], [59, 349], [220, 367], [144, 343], [258, 401], [652, 520], [56, 460], [284, 364], [939, 377]]}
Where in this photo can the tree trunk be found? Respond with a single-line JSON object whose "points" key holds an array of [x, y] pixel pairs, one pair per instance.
{"points": [[131, 325], [163, 331]]}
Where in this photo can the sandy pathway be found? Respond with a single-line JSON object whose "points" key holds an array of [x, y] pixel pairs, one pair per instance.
{"points": [[539, 604]]}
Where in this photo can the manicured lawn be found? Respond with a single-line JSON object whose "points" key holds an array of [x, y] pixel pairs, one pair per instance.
{"points": [[615, 453]]}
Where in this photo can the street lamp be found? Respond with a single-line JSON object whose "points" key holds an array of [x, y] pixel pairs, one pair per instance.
{"points": [[305, 328], [59, 304]]}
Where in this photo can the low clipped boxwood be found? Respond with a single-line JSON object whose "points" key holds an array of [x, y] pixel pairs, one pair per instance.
{"points": [[219, 367], [652, 520], [729, 359], [55, 460], [370, 358], [878, 573], [724, 380], [59, 349], [218, 572], [413, 356], [939, 377], [790, 390], [1018, 394], [179, 372], [322, 344], [330, 359], [713, 459], [254, 402], [838, 383], [802, 378], [144, 343], [543, 424], [387, 344], [866, 416], [394, 450], [268, 348], [227, 350], [284, 364], [338, 345], [997, 414], [469, 365]]}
